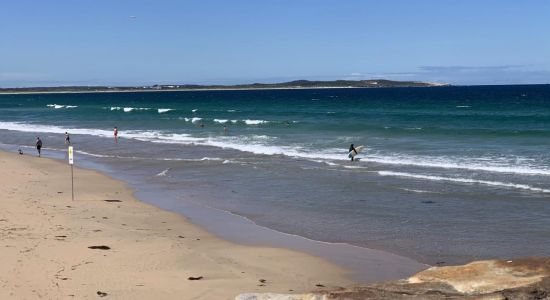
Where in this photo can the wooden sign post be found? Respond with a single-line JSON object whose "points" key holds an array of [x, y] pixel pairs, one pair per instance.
{"points": [[71, 162]]}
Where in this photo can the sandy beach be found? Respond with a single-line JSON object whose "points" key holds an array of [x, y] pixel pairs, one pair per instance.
{"points": [[141, 252]]}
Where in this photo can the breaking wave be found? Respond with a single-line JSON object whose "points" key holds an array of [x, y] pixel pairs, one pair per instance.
{"points": [[269, 145], [58, 106], [465, 180]]}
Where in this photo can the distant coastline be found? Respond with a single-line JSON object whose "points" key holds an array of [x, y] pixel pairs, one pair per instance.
{"points": [[297, 84]]}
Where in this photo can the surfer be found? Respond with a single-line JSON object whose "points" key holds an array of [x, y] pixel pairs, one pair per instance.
{"points": [[115, 133], [67, 138], [38, 145], [352, 148]]}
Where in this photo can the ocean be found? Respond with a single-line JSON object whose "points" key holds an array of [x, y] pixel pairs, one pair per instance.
{"points": [[448, 174]]}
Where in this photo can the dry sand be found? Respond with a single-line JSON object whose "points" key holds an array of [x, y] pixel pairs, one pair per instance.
{"points": [[45, 239]]}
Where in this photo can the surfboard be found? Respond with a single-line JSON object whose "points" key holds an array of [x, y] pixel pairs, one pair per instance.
{"points": [[353, 153]]}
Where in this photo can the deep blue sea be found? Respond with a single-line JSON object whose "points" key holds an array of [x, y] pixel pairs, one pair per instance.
{"points": [[448, 174]]}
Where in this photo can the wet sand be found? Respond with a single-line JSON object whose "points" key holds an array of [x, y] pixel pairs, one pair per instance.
{"points": [[108, 244]]}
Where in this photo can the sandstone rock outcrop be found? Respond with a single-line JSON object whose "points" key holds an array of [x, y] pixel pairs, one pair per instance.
{"points": [[520, 279]]}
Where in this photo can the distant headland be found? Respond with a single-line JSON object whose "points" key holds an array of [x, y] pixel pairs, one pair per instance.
{"points": [[297, 84]]}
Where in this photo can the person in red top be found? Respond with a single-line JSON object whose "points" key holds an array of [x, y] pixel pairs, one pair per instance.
{"points": [[115, 132]]}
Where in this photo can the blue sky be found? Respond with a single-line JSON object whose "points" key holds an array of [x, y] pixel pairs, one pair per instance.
{"points": [[118, 42]]}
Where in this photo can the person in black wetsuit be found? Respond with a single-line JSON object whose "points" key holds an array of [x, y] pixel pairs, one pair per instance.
{"points": [[38, 145], [352, 148]]}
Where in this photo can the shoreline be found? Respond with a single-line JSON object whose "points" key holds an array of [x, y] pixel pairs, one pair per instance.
{"points": [[362, 264], [152, 252]]}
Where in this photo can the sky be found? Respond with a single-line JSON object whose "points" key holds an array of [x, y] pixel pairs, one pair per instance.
{"points": [[123, 42]]}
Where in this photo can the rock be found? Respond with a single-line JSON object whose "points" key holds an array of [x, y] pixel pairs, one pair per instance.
{"points": [[527, 278], [273, 296], [487, 276]]}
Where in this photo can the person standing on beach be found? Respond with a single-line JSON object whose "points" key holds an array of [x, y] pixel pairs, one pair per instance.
{"points": [[115, 133], [38, 145], [67, 138]]}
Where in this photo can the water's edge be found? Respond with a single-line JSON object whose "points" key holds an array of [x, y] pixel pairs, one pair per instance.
{"points": [[365, 265]]}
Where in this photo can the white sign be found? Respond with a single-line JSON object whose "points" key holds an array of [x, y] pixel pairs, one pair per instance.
{"points": [[70, 155]]}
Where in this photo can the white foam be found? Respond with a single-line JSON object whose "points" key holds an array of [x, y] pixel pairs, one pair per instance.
{"points": [[417, 191], [231, 110], [58, 106], [487, 164], [355, 167], [263, 144], [224, 121], [254, 122], [463, 106], [257, 145], [192, 120], [161, 137], [26, 127], [465, 180], [163, 110], [93, 154], [116, 108], [211, 158], [194, 110], [228, 161], [130, 109]]}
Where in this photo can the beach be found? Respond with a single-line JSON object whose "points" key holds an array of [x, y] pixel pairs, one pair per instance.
{"points": [[442, 175], [438, 164], [106, 243]]}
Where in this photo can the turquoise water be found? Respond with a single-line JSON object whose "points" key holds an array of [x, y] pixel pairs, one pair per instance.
{"points": [[449, 174]]}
